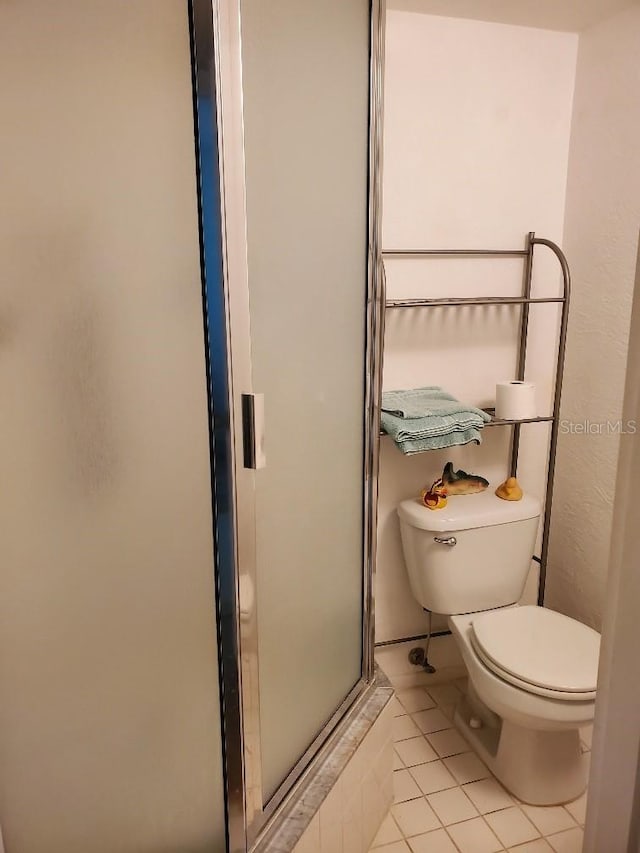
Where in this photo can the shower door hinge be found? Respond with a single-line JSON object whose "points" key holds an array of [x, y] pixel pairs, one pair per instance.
{"points": [[253, 431]]}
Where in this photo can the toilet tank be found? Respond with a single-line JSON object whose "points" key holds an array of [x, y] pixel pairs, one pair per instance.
{"points": [[485, 557]]}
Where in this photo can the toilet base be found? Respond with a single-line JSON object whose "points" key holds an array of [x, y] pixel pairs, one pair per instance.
{"points": [[542, 768]]}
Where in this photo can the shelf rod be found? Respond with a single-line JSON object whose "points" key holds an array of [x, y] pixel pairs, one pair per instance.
{"points": [[471, 253], [479, 300], [506, 422], [522, 344], [541, 419], [557, 397]]}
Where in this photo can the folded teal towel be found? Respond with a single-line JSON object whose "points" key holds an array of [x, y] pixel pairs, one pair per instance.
{"points": [[438, 442], [429, 419], [426, 402]]}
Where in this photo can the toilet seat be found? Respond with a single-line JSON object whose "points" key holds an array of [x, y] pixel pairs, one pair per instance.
{"points": [[527, 686], [538, 650]]}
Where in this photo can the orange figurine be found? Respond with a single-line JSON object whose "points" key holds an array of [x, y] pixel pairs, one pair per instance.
{"points": [[434, 497]]}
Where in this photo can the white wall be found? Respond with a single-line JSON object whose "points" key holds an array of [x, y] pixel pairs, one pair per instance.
{"points": [[601, 238], [569, 15], [477, 125]]}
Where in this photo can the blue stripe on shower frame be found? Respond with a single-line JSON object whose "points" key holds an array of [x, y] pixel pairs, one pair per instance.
{"points": [[217, 361]]}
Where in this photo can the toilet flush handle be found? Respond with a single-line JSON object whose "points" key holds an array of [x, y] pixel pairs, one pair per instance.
{"points": [[447, 540]]}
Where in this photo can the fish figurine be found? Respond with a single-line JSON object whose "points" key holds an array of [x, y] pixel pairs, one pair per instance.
{"points": [[458, 482], [452, 483]]}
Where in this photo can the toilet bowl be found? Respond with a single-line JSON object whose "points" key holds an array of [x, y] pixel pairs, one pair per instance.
{"points": [[532, 671], [528, 733]]}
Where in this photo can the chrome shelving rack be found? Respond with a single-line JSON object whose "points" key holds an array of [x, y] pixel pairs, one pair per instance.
{"points": [[525, 301]]}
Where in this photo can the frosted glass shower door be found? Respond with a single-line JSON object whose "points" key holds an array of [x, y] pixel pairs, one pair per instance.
{"points": [[306, 121], [109, 714]]}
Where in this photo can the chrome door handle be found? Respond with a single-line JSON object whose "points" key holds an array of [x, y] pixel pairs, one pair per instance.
{"points": [[447, 540]]}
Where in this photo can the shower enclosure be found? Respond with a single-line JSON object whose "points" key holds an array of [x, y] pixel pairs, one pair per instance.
{"points": [[188, 327], [290, 91]]}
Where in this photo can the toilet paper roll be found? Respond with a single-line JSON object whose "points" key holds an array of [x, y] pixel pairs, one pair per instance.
{"points": [[515, 400]]}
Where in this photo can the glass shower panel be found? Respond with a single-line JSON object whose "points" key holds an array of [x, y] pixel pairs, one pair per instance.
{"points": [[109, 719], [306, 113]]}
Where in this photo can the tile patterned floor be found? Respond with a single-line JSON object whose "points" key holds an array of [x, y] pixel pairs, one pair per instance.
{"points": [[447, 801]]}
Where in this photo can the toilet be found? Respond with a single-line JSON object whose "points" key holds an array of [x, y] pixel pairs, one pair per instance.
{"points": [[532, 671]]}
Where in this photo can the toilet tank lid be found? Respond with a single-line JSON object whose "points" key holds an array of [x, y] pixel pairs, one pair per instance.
{"points": [[464, 512]]}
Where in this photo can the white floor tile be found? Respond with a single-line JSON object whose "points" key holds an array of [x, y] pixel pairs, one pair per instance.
{"points": [[488, 795], [474, 836], [415, 817], [578, 808], [467, 767], [416, 750], [448, 742], [432, 720], [538, 846], [569, 841], [452, 806], [415, 699], [549, 819], [388, 832], [512, 826], [403, 728], [398, 763], [444, 694], [433, 777], [396, 708], [404, 787], [396, 847], [433, 842]]}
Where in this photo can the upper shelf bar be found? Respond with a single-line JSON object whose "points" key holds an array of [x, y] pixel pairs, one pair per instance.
{"points": [[447, 253], [471, 300]]}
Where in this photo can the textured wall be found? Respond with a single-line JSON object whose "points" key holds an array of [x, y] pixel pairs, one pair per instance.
{"points": [[613, 820], [601, 237]]}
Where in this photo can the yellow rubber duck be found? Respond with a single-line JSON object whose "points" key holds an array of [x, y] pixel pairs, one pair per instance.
{"points": [[509, 490]]}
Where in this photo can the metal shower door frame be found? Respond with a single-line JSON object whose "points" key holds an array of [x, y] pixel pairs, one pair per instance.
{"points": [[217, 59]]}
